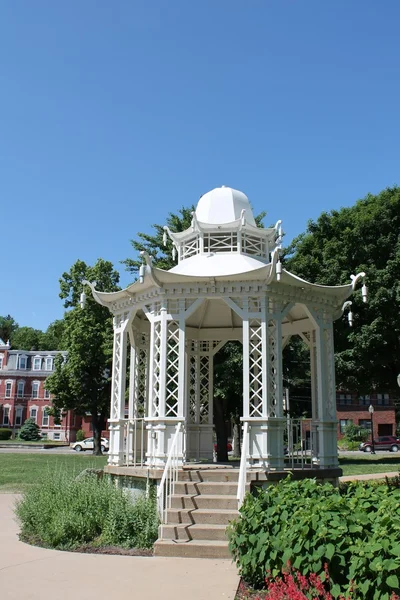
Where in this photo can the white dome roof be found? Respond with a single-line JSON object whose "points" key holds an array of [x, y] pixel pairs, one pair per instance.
{"points": [[223, 205], [217, 265]]}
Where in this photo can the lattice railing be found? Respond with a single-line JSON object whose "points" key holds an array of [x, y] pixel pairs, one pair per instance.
{"points": [[141, 374], [116, 374], [190, 247], [252, 244], [273, 346]]}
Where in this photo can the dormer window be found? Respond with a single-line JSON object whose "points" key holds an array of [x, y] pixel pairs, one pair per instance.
{"points": [[37, 363], [49, 363], [22, 362]]}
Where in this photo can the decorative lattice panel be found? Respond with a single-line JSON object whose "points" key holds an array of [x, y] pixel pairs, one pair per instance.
{"points": [[273, 346], [190, 247], [192, 383], [254, 245], [155, 386], [220, 242], [116, 374], [204, 378], [172, 372], [141, 374], [255, 368]]}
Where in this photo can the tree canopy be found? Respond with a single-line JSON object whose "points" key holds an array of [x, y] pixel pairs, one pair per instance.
{"points": [[83, 381], [7, 326], [364, 237]]}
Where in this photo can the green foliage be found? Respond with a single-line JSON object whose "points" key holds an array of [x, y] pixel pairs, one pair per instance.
{"points": [[26, 338], [5, 434], [80, 435], [82, 382], [65, 512], [30, 432], [355, 531], [364, 237], [7, 326], [355, 433]]}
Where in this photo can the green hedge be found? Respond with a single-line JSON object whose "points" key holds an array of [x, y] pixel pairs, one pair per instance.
{"points": [[5, 434], [66, 512], [356, 531]]}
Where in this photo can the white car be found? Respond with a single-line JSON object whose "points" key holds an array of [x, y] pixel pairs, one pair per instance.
{"points": [[88, 444]]}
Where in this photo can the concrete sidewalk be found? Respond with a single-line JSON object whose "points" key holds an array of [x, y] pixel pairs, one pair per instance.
{"points": [[33, 573]]}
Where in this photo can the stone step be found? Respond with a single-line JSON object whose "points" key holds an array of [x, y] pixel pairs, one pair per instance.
{"points": [[193, 488], [192, 549], [193, 532], [216, 516], [209, 501], [227, 475]]}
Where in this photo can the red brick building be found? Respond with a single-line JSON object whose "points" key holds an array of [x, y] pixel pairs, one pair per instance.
{"points": [[23, 394], [352, 408]]}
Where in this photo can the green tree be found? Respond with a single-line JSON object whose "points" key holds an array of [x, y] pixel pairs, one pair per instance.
{"points": [[52, 338], [82, 383], [364, 237], [7, 327], [29, 431], [26, 338]]}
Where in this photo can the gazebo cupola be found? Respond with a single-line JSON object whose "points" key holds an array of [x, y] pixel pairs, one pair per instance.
{"points": [[222, 224]]}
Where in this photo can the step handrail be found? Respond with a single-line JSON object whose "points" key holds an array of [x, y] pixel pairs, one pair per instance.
{"points": [[243, 465], [169, 478]]}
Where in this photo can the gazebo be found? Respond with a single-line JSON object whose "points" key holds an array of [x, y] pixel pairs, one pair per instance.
{"points": [[228, 284]]}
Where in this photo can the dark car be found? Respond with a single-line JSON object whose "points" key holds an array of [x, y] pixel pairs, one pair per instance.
{"points": [[384, 442]]}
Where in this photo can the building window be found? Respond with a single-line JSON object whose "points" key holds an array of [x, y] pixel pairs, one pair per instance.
{"points": [[20, 389], [364, 400], [8, 389], [33, 413], [45, 417], [46, 394], [18, 416], [35, 389], [1, 361], [382, 399], [22, 363], [365, 424], [6, 415], [343, 424], [49, 363], [56, 436], [37, 363]]}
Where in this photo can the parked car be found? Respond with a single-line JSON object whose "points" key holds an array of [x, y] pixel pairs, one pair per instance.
{"points": [[88, 444], [384, 442]]}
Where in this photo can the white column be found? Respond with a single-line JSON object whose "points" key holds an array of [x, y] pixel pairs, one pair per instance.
{"points": [[117, 412], [326, 393]]}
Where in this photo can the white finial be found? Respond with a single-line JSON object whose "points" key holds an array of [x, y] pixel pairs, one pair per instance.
{"points": [[83, 300], [364, 293], [165, 236], [142, 271]]}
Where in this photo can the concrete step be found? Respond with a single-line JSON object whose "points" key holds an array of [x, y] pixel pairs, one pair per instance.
{"points": [[219, 516], [193, 488], [209, 501], [228, 475], [192, 549], [193, 532]]}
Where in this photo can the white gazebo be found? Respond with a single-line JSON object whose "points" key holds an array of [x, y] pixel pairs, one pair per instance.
{"points": [[228, 284]]}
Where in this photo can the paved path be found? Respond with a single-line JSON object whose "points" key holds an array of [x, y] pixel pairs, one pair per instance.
{"points": [[33, 573]]}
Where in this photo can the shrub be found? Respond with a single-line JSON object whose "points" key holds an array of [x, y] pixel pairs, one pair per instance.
{"points": [[80, 435], [29, 432], [355, 531], [5, 434], [66, 512], [355, 433]]}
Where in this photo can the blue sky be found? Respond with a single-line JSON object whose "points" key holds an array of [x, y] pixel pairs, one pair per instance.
{"points": [[115, 113]]}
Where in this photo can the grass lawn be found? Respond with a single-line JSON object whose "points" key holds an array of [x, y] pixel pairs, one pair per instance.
{"points": [[39, 443], [361, 465], [20, 471]]}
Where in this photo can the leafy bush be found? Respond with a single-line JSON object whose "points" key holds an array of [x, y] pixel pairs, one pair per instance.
{"points": [[5, 434], [344, 444], [80, 435], [29, 432], [355, 531], [355, 433], [66, 512]]}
